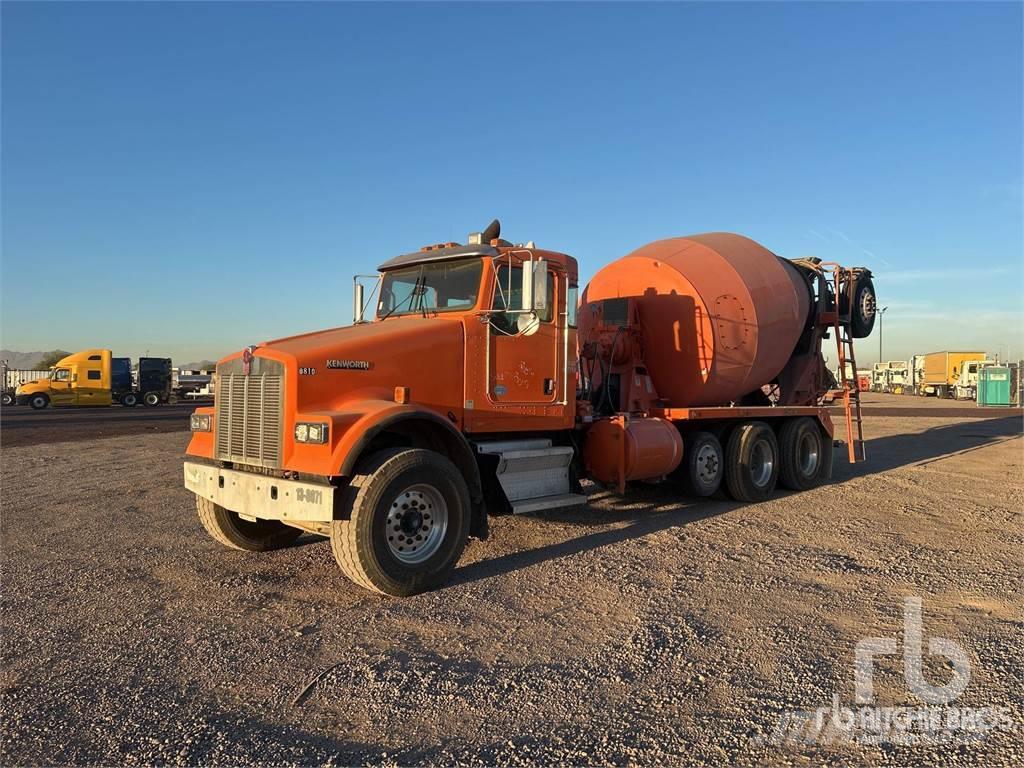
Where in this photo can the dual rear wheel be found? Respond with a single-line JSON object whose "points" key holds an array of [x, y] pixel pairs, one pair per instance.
{"points": [[755, 460]]}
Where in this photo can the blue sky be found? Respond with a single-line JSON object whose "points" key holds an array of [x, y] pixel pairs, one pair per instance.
{"points": [[191, 178]]}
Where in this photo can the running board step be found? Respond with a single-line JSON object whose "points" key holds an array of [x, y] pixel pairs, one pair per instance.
{"points": [[533, 474], [548, 502]]}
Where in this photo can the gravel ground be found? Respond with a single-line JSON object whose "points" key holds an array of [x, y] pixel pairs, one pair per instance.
{"points": [[651, 630]]}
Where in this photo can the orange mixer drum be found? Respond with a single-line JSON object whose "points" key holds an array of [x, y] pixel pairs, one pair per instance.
{"points": [[720, 315]]}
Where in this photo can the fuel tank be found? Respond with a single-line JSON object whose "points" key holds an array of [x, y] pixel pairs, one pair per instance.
{"points": [[643, 449], [719, 314]]}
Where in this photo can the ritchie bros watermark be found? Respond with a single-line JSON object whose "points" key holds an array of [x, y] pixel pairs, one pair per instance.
{"points": [[936, 720]]}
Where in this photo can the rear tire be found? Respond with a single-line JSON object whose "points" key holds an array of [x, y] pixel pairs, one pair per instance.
{"points": [[801, 454], [129, 400], [703, 464], [751, 462], [151, 399], [227, 528], [38, 402], [408, 524], [7, 398]]}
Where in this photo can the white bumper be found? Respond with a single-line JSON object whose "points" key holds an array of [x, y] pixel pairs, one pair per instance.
{"points": [[260, 496]]}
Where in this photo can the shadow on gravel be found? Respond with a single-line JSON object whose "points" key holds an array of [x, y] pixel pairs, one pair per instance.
{"points": [[643, 519], [652, 509], [894, 451]]}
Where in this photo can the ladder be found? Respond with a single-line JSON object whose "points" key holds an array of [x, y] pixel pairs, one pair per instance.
{"points": [[845, 279]]}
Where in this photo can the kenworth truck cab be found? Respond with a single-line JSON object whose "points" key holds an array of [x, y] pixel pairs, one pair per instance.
{"points": [[316, 432], [699, 360]]}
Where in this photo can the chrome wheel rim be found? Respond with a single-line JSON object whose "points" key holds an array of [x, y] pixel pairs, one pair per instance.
{"points": [[707, 464], [867, 305], [416, 524], [808, 455], [762, 462]]}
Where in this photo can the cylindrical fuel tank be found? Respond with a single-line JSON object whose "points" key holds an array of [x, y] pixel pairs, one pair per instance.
{"points": [[646, 449], [720, 314]]}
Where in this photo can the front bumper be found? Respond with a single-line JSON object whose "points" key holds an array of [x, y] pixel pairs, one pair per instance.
{"points": [[21, 399], [261, 496]]}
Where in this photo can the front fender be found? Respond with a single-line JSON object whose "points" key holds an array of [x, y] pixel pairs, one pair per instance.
{"points": [[362, 421]]}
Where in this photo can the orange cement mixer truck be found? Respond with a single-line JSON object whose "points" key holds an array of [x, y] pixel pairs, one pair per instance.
{"points": [[484, 385]]}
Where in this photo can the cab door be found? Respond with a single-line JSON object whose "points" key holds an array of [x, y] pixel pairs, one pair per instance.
{"points": [[517, 360], [62, 390]]}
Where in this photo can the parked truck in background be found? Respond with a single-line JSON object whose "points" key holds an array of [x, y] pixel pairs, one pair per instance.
{"points": [[482, 386], [879, 377], [896, 377], [12, 378], [966, 387], [94, 377], [940, 372]]}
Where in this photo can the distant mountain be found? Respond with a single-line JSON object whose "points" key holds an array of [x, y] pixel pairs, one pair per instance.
{"points": [[203, 365], [26, 361]]}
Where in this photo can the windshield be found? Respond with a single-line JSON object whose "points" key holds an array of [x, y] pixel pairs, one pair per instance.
{"points": [[439, 287]]}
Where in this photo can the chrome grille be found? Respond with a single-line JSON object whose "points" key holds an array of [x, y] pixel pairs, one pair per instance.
{"points": [[249, 413]]}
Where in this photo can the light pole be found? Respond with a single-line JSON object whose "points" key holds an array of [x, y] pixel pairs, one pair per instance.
{"points": [[880, 313]]}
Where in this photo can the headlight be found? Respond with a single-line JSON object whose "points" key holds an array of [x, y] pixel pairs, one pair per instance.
{"points": [[311, 433], [200, 422]]}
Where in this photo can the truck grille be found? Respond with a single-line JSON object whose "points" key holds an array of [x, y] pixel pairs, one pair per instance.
{"points": [[249, 413]]}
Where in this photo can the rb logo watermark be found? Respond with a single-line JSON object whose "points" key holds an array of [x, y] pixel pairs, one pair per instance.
{"points": [[866, 723]]}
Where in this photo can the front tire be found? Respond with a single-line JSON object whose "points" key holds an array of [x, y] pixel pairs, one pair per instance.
{"points": [[151, 399], [752, 462], [227, 528], [8, 398], [38, 402], [408, 523], [129, 400]]}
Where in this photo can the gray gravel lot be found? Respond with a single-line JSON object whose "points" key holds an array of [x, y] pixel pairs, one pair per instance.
{"points": [[653, 630]]}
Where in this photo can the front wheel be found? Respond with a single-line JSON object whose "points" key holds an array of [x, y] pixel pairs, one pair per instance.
{"points": [[129, 400], [38, 402], [151, 399], [227, 528], [408, 522], [8, 398]]}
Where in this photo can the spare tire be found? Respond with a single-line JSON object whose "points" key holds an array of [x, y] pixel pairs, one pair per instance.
{"points": [[864, 311]]}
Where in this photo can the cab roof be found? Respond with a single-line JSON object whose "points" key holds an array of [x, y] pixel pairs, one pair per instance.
{"points": [[438, 254]]}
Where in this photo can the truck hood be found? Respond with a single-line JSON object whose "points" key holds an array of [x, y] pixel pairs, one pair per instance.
{"points": [[330, 368]]}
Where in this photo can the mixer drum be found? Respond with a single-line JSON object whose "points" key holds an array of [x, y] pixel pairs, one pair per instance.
{"points": [[720, 315]]}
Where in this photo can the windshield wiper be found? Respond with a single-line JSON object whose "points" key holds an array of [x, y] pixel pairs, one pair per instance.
{"points": [[416, 288]]}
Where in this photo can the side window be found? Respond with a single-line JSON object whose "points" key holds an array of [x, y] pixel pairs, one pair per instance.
{"points": [[509, 294], [93, 376], [62, 374], [570, 303], [94, 357]]}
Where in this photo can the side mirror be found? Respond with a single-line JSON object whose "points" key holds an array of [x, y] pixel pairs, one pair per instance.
{"points": [[357, 303], [535, 285]]}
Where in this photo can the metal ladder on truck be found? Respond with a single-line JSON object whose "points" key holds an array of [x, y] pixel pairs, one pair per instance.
{"points": [[845, 279]]}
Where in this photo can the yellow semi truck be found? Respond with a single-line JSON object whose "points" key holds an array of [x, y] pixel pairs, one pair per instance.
{"points": [[940, 371], [94, 377]]}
